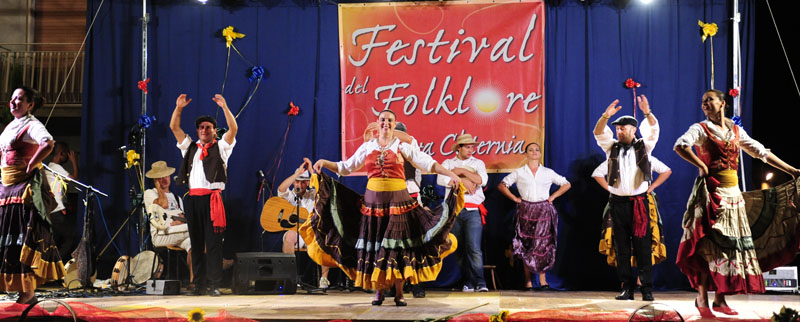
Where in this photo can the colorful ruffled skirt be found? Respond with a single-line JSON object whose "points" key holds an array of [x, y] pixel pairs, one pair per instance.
{"points": [[29, 254], [734, 236], [658, 250], [535, 239], [382, 236]]}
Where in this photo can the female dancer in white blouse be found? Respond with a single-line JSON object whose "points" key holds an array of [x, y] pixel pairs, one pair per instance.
{"points": [[537, 219]]}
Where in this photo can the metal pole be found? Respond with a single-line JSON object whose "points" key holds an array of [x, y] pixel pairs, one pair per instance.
{"points": [[145, 21], [737, 79]]}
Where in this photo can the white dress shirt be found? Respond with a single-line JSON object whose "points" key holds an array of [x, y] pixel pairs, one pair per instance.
{"points": [[655, 165], [697, 136], [534, 187], [631, 180], [197, 177], [472, 162]]}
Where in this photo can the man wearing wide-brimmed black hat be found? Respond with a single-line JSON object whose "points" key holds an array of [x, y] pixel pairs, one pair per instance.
{"points": [[204, 168], [629, 179]]}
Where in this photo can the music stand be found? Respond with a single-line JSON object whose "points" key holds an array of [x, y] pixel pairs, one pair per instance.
{"points": [[84, 273]]}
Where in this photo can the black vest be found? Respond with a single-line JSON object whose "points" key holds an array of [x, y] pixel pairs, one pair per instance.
{"points": [[642, 161], [213, 166]]}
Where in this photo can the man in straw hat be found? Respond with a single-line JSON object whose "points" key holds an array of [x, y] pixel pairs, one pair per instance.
{"points": [[469, 223], [629, 182], [167, 223], [204, 168], [298, 182]]}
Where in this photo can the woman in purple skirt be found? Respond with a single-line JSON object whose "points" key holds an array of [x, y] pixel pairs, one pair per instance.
{"points": [[535, 240]]}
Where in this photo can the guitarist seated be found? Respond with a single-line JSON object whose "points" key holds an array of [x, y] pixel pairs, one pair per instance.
{"points": [[299, 184], [167, 224]]}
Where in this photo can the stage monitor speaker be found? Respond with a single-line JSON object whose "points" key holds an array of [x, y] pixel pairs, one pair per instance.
{"points": [[264, 273], [163, 287]]}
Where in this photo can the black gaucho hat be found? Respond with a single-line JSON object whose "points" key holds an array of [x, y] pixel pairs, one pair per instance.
{"points": [[625, 120], [205, 118]]}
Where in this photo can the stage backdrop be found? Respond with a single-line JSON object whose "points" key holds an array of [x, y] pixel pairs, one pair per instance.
{"points": [[444, 67], [590, 48]]}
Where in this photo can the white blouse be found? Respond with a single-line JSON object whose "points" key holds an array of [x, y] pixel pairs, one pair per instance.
{"points": [[534, 187], [35, 134], [413, 154], [697, 136]]}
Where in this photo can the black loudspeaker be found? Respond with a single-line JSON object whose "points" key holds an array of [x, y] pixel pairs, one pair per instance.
{"points": [[264, 273]]}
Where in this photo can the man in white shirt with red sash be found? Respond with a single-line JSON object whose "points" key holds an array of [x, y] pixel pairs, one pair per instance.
{"points": [[204, 168], [469, 224]]}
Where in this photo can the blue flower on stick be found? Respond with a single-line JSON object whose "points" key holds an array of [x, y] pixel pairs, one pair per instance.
{"points": [[146, 120], [256, 73]]}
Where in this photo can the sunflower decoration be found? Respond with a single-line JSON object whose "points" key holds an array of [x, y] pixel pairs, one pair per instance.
{"points": [[499, 317], [196, 315]]}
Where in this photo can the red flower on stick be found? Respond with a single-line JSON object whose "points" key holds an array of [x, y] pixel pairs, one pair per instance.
{"points": [[629, 83], [293, 109], [143, 85], [733, 92]]}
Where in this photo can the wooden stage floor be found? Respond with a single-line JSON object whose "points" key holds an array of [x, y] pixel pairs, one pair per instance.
{"points": [[356, 305]]}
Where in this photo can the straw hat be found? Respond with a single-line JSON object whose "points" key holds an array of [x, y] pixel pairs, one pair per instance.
{"points": [[305, 176], [159, 169], [463, 139]]}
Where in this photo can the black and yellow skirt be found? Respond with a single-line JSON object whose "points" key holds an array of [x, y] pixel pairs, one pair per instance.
{"points": [[29, 254], [382, 236], [658, 249]]}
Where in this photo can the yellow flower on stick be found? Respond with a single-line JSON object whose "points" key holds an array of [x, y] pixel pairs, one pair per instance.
{"points": [[196, 315], [230, 35], [709, 29], [133, 159]]}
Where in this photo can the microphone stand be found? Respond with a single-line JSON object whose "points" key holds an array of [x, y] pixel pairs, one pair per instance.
{"points": [[310, 289], [88, 229]]}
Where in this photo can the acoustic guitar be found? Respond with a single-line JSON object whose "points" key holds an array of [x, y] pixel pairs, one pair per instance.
{"points": [[280, 215]]}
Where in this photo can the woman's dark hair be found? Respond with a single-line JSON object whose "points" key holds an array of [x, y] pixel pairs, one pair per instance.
{"points": [[722, 97], [388, 111], [33, 96], [532, 143]]}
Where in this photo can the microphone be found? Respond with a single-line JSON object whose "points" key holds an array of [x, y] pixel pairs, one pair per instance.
{"points": [[122, 148], [297, 190], [260, 174]]}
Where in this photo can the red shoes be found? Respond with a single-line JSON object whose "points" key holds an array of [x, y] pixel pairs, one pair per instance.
{"points": [[723, 309], [704, 311]]}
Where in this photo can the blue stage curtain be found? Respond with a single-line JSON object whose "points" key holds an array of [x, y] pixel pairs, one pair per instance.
{"points": [[590, 51]]}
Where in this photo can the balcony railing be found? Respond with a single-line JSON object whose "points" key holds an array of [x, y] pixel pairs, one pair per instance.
{"points": [[45, 71]]}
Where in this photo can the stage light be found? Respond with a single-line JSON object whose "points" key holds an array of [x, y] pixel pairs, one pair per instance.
{"points": [[646, 1], [202, 1], [769, 176]]}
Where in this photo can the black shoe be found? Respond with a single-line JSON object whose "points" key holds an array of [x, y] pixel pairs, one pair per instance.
{"points": [[214, 292], [646, 296], [400, 302], [545, 288], [418, 291], [379, 301], [625, 295], [197, 291]]}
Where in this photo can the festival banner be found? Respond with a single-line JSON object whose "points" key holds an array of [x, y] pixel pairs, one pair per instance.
{"points": [[446, 68]]}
